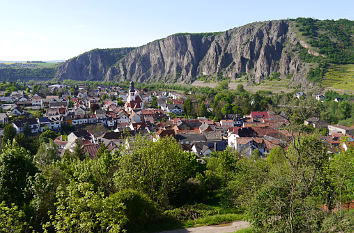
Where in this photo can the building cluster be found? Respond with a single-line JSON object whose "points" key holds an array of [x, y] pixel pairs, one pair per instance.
{"points": [[124, 114]]}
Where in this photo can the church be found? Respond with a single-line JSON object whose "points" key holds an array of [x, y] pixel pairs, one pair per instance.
{"points": [[134, 100]]}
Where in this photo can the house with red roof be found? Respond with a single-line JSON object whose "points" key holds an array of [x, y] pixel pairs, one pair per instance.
{"points": [[259, 116]]}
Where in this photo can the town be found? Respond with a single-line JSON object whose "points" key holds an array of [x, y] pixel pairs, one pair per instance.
{"points": [[114, 116]]}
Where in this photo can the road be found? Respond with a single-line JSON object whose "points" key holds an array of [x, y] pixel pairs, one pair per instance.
{"points": [[223, 228]]}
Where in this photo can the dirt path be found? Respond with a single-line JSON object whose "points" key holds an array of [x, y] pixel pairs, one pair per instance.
{"points": [[223, 228]]}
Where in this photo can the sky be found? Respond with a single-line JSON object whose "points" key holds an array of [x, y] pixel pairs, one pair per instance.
{"points": [[58, 30]]}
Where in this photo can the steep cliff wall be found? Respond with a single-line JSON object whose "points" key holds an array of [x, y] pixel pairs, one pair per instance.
{"points": [[92, 65], [258, 49]]}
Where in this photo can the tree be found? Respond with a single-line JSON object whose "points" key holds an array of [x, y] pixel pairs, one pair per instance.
{"points": [[46, 136], [82, 209], [202, 111], [102, 150], [139, 209], [341, 175], [154, 103], [46, 154], [9, 134], [30, 143], [289, 199], [226, 109], [11, 219], [15, 167], [187, 107], [158, 169], [240, 88], [223, 85], [79, 151], [27, 130]]}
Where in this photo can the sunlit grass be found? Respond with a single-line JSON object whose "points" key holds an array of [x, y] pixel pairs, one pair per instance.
{"points": [[340, 77]]}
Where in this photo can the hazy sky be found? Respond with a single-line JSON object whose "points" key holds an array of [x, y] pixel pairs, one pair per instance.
{"points": [[60, 29]]}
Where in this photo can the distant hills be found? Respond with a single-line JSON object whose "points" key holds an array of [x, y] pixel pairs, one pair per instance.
{"points": [[51, 61], [301, 50]]}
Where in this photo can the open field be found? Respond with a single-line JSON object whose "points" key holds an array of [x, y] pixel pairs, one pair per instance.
{"points": [[340, 77]]}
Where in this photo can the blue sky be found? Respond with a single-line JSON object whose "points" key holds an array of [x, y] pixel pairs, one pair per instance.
{"points": [[55, 30]]}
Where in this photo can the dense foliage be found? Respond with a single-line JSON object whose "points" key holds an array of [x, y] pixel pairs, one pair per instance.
{"points": [[153, 183], [149, 186], [26, 74], [331, 37]]}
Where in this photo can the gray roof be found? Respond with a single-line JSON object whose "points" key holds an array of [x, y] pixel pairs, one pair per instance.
{"points": [[190, 138]]}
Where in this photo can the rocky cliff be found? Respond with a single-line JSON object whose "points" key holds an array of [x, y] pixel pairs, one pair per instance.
{"points": [[92, 65], [258, 49]]}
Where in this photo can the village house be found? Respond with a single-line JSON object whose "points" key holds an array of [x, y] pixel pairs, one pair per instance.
{"points": [[319, 97], [45, 123], [30, 122], [16, 111], [176, 109], [37, 101], [163, 133], [315, 122], [82, 135], [340, 129]]}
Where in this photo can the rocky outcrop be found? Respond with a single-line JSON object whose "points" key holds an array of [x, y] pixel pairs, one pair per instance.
{"points": [[92, 65], [258, 49]]}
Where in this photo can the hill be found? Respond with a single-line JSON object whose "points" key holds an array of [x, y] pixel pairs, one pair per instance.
{"points": [[302, 51]]}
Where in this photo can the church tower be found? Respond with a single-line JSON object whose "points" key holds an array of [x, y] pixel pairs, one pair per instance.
{"points": [[134, 100]]}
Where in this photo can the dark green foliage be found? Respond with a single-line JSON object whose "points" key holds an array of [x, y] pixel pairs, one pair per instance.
{"points": [[79, 152], [46, 136], [316, 75], [331, 37], [187, 107], [338, 223], [15, 167], [29, 143], [139, 209], [26, 74], [102, 150], [154, 103], [9, 134], [11, 219]]}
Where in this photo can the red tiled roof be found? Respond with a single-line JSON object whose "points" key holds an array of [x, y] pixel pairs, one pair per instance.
{"points": [[244, 140], [91, 150], [165, 132], [260, 115]]}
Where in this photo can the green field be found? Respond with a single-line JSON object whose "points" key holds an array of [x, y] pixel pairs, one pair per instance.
{"points": [[340, 77]]}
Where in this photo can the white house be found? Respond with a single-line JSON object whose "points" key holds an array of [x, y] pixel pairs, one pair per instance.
{"points": [[31, 122], [37, 100]]}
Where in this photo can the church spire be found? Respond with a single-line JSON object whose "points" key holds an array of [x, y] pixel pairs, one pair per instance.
{"points": [[132, 86]]}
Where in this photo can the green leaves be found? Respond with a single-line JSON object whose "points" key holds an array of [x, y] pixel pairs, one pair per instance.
{"points": [[15, 167], [81, 209], [11, 219], [158, 169]]}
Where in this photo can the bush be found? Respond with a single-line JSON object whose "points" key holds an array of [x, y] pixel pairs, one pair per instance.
{"points": [[189, 212], [140, 209]]}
